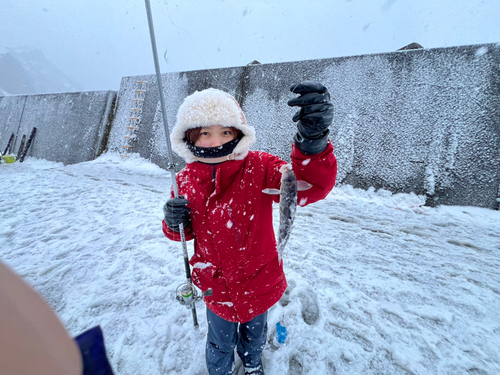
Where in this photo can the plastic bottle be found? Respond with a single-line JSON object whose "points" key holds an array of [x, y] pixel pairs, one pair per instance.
{"points": [[281, 333]]}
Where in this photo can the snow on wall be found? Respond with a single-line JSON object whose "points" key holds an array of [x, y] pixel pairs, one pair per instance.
{"points": [[124, 103], [71, 127], [424, 121], [11, 109]]}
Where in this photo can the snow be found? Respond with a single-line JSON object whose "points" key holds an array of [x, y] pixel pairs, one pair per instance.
{"points": [[202, 265], [378, 283], [481, 51]]}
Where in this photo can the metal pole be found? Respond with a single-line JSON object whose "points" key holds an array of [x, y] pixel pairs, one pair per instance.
{"points": [[169, 147]]}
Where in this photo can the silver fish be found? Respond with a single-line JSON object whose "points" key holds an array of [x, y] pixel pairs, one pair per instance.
{"points": [[288, 204]]}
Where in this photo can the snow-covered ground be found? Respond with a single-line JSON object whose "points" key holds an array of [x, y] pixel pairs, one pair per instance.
{"points": [[379, 284]]}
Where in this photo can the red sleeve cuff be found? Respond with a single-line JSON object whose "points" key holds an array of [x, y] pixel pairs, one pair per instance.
{"points": [[176, 236]]}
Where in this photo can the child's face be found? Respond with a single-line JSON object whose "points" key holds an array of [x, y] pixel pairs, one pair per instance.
{"points": [[215, 135]]}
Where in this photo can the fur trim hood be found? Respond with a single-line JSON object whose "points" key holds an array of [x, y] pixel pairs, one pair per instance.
{"points": [[210, 107]]}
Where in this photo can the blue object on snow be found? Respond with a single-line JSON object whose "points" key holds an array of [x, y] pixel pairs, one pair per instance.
{"points": [[91, 344], [281, 333]]}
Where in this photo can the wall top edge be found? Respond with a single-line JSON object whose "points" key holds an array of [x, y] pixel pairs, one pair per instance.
{"points": [[90, 92], [419, 50]]}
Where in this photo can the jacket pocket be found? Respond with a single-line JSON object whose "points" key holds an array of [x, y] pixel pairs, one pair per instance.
{"points": [[203, 273], [254, 264], [264, 275]]}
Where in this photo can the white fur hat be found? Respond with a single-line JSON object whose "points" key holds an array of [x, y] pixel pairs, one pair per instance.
{"points": [[210, 107]]}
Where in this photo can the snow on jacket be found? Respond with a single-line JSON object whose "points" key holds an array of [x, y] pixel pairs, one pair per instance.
{"points": [[235, 245]]}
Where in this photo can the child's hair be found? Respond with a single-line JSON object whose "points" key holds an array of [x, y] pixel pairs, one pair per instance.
{"points": [[192, 135]]}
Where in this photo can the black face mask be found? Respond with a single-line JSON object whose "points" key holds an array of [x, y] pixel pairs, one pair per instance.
{"points": [[213, 152]]}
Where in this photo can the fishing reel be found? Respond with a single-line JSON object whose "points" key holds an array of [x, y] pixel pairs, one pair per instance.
{"points": [[187, 295]]}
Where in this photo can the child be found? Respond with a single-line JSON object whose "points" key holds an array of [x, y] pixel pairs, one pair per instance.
{"points": [[223, 209]]}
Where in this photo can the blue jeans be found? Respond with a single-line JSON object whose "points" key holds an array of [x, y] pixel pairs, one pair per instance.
{"points": [[249, 338]]}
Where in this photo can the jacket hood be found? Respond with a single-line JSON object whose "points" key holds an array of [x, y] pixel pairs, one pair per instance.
{"points": [[210, 107]]}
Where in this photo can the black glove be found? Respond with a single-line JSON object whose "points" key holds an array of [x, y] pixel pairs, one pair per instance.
{"points": [[314, 116], [177, 212]]}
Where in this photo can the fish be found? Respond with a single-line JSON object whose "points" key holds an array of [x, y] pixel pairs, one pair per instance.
{"points": [[288, 204]]}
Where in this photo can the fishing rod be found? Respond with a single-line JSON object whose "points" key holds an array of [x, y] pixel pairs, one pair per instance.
{"points": [[186, 293]]}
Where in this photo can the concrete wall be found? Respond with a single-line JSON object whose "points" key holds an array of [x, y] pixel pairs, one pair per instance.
{"points": [[424, 121], [71, 127]]}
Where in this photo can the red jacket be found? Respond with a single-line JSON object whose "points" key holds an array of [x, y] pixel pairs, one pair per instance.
{"points": [[235, 245]]}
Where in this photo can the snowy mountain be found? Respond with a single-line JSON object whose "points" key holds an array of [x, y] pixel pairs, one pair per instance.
{"points": [[27, 71]]}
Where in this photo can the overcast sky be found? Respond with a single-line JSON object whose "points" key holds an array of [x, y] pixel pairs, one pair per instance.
{"points": [[97, 42]]}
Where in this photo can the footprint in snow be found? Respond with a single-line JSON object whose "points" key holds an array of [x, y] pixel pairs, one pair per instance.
{"points": [[310, 308], [285, 298], [295, 366]]}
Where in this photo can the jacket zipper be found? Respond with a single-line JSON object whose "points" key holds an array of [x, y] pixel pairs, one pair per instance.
{"points": [[213, 177]]}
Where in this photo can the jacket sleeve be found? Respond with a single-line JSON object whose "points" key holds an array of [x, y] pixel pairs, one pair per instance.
{"points": [[176, 236], [273, 174], [320, 170]]}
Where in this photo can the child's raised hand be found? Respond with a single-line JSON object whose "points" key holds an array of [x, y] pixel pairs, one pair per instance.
{"points": [[316, 111], [314, 116]]}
